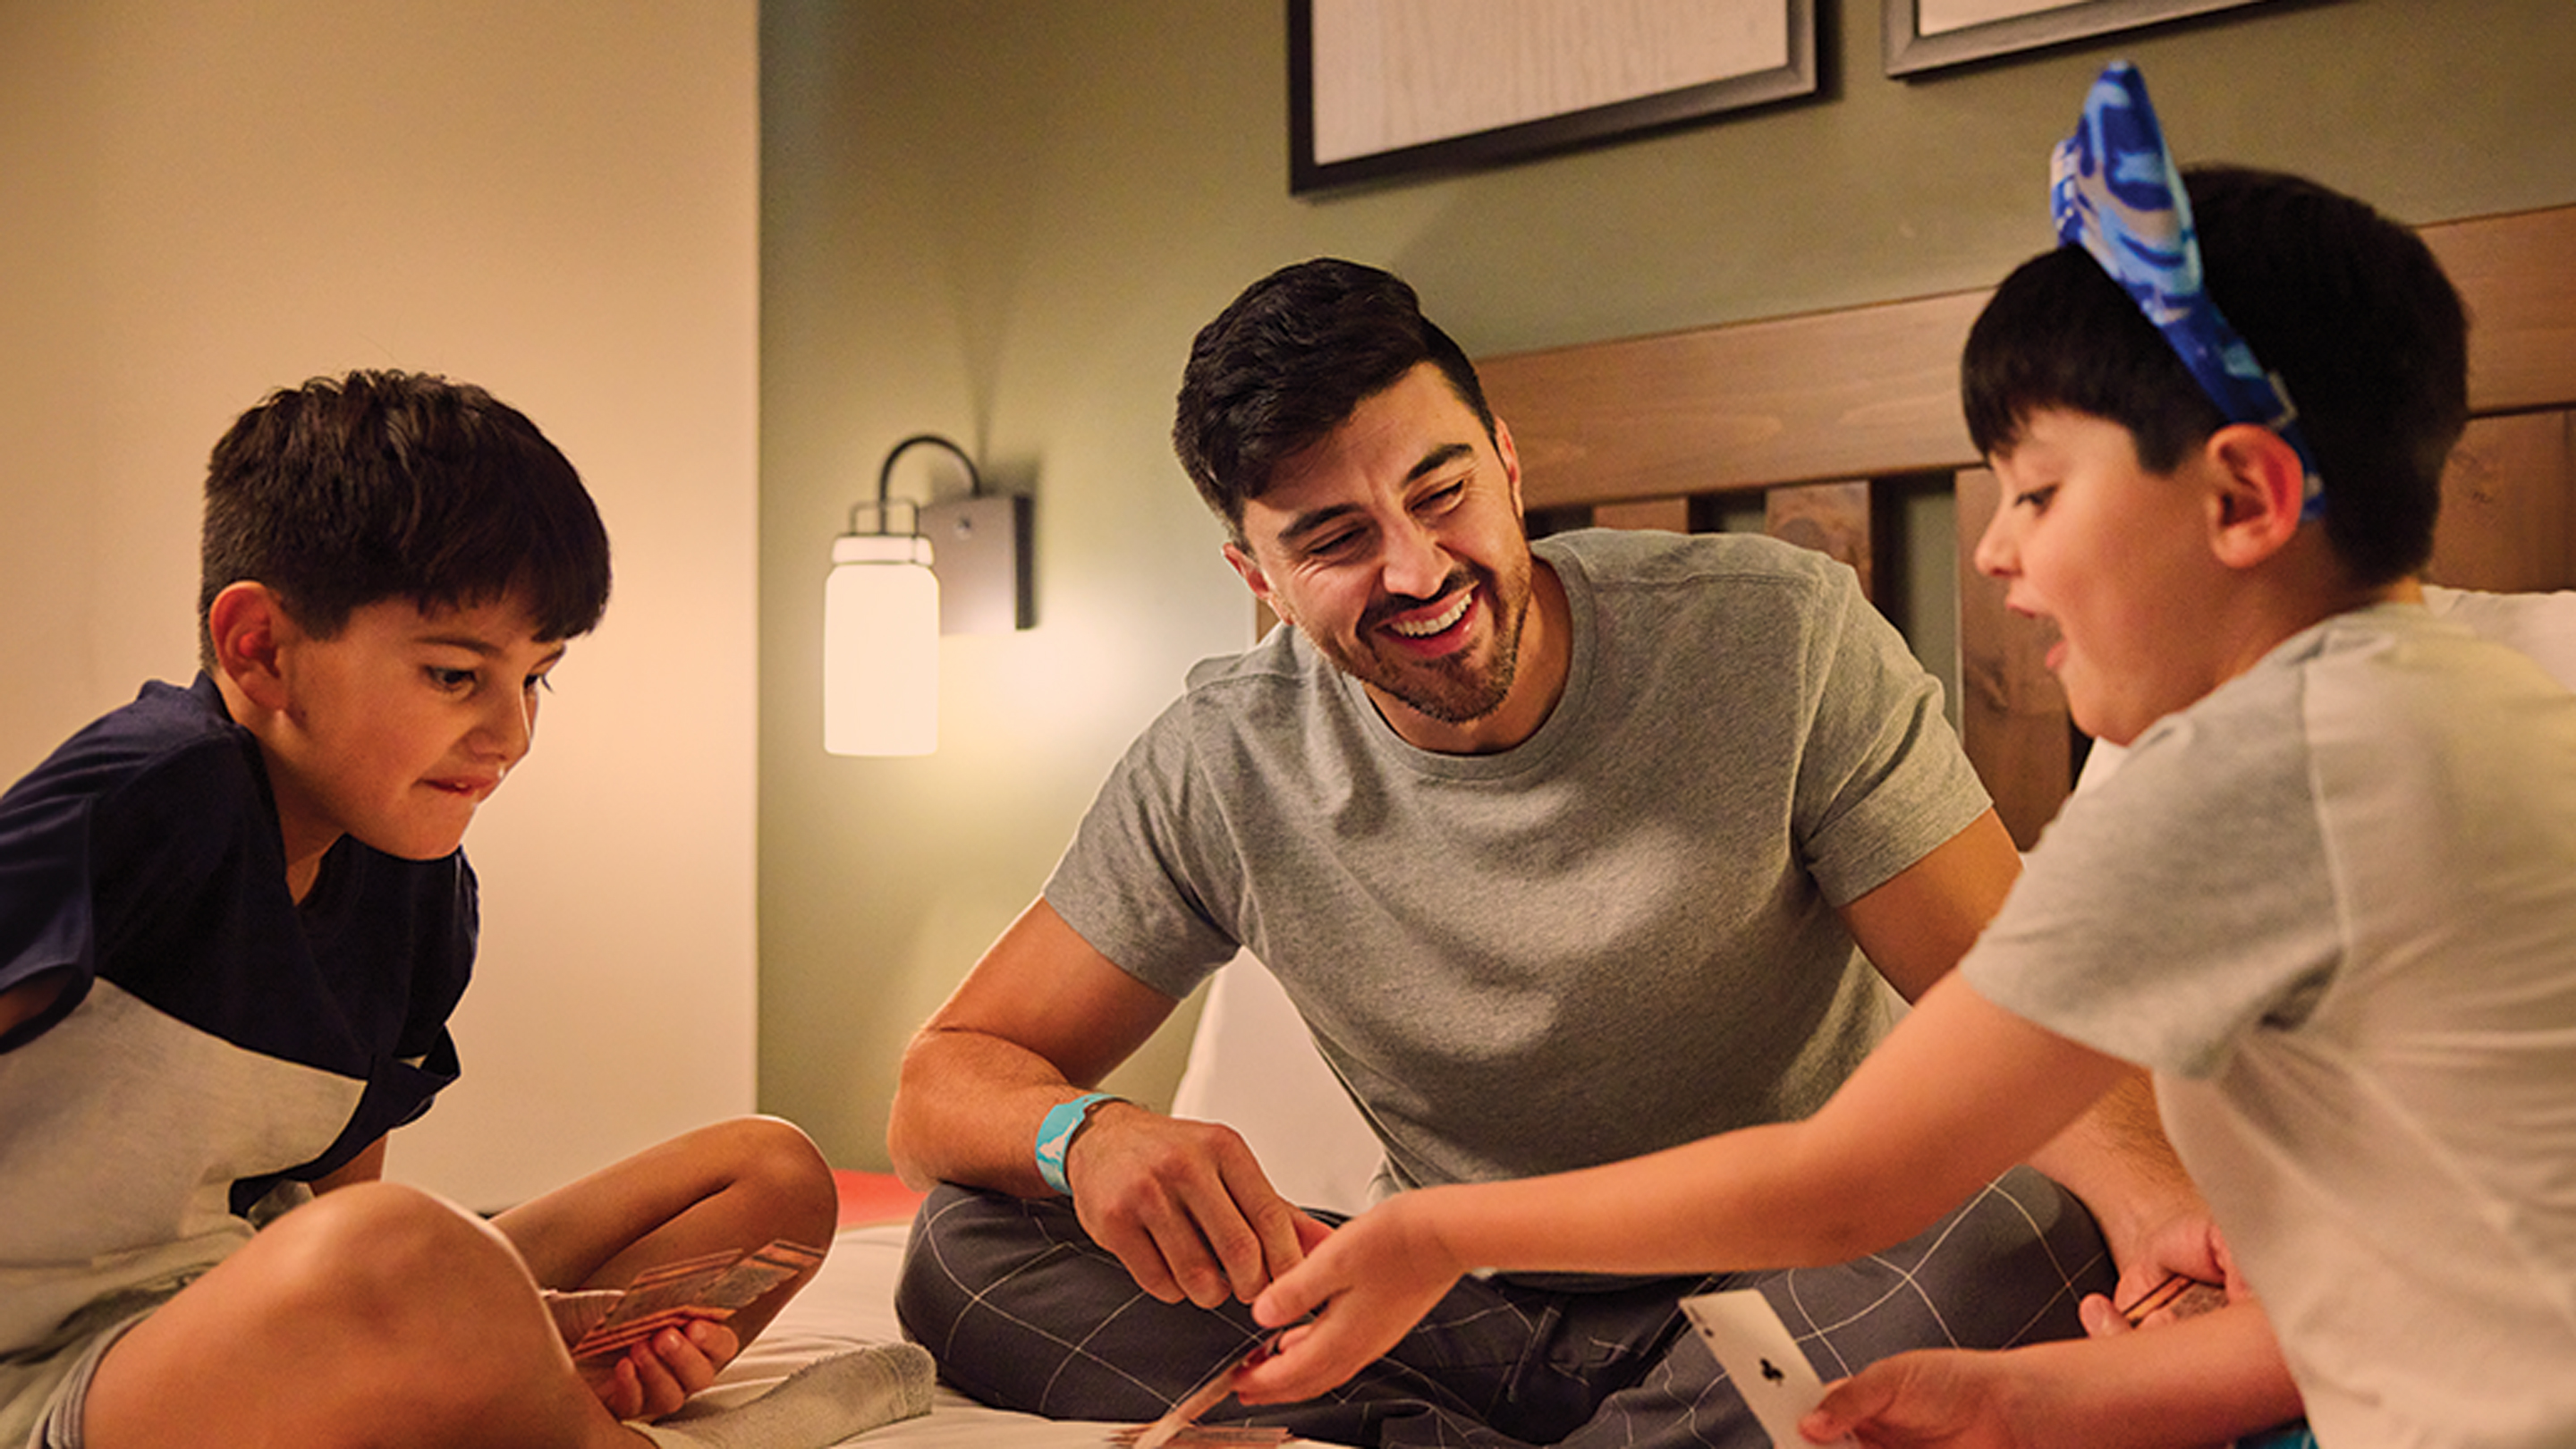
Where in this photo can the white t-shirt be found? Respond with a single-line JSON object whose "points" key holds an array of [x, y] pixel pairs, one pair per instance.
{"points": [[2333, 906]]}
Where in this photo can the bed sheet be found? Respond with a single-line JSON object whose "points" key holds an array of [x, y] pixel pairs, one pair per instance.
{"points": [[850, 1303]]}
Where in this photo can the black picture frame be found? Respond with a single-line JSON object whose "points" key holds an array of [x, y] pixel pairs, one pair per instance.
{"points": [[1909, 51], [1793, 77]]}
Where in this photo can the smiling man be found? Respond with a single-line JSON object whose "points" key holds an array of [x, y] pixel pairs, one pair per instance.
{"points": [[1562, 850]]}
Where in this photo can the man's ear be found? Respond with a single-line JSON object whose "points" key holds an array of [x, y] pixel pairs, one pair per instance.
{"points": [[249, 626], [1254, 579], [1511, 457], [2257, 489]]}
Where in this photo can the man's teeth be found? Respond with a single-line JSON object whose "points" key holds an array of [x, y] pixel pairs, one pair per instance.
{"points": [[1424, 628]]}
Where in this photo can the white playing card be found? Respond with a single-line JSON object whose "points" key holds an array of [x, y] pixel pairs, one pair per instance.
{"points": [[1764, 1363]]}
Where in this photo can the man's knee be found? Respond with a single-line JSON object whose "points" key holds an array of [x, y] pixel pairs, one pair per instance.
{"points": [[968, 1246]]}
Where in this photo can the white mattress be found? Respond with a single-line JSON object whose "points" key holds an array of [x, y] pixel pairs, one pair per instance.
{"points": [[850, 1304], [1252, 1066]]}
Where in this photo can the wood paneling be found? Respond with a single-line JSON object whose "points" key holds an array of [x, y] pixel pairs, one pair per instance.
{"points": [[1872, 392], [2509, 506], [2012, 714], [1855, 394]]}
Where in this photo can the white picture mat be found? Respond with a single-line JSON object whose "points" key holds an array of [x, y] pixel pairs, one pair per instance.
{"points": [[1389, 74]]}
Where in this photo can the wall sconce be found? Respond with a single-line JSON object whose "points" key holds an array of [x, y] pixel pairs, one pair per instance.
{"points": [[962, 569]]}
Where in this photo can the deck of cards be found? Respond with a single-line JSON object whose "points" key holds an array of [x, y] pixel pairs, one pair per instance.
{"points": [[1745, 1334], [713, 1286]]}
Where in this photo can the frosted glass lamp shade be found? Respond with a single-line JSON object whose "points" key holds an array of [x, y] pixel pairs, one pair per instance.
{"points": [[881, 647]]}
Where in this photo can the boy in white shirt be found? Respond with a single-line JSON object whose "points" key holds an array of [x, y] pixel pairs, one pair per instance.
{"points": [[2328, 898]]}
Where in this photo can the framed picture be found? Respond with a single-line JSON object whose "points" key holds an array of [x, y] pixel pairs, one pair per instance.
{"points": [[1927, 34], [1385, 88]]}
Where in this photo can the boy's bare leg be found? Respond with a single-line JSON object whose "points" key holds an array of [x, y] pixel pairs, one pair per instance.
{"points": [[737, 1184], [376, 1316]]}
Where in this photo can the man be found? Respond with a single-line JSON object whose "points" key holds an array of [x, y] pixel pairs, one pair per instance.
{"points": [[1562, 853]]}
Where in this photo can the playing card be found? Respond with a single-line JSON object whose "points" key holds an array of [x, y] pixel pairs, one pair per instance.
{"points": [[1765, 1364], [1178, 1428], [710, 1286]]}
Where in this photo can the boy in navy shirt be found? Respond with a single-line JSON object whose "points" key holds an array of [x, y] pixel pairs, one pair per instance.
{"points": [[234, 919]]}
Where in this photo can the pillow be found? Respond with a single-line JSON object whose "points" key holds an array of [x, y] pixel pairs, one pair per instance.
{"points": [[1254, 1067]]}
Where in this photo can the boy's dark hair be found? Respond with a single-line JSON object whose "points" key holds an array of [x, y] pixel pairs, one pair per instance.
{"points": [[1288, 361], [378, 485], [2349, 307]]}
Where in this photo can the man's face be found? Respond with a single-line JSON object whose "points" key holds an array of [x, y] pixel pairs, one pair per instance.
{"points": [[1395, 544]]}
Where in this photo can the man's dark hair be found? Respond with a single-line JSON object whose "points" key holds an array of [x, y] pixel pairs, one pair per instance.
{"points": [[1288, 361], [2348, 307], [351, 490]]}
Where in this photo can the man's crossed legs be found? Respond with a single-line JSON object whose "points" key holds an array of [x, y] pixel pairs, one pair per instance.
{"points": [[1022, 1310]]}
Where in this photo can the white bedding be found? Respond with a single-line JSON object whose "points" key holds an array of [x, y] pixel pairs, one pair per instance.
{"points": [[1252, 1065], [851, 1302]]}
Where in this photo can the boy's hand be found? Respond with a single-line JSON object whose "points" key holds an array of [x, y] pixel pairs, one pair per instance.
{"points": [[657, 1376], [2190, 1248], [1367, 1283]]}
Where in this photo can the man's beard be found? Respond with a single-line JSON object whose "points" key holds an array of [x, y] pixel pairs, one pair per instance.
{"points": [[1454, 689]]}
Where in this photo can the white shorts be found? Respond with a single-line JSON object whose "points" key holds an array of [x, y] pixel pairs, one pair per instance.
{"points": [[43, 1401]]}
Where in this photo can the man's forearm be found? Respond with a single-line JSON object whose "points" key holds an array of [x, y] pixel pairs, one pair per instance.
{"points": [[967, 1108]]}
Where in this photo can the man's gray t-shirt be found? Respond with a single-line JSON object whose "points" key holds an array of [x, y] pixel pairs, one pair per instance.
{"points": [[1617, 936]]}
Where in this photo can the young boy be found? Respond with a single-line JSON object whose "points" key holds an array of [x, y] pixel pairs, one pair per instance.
{"points": [[2328, 898], [233, 921]]}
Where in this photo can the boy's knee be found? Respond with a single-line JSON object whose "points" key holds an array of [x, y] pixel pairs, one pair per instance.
{"points": [[774, 1157], [384, 1259]]}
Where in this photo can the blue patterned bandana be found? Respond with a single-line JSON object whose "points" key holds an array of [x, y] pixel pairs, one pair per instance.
{"points": [[2114, 191]]}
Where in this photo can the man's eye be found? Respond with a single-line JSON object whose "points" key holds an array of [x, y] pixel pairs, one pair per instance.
{"points": [[2036, 499], [1333, 545], [451, 679]]}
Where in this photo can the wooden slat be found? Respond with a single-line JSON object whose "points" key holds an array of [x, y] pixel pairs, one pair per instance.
{"points": [[1669, 514], [2517, 273], [1793, 400], [2509, 506], [2012, 713], [1831, 518], [1872, 392]]}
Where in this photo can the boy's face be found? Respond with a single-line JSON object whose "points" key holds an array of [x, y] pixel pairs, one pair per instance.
{"points": [[2117, 559], [398, 726], [1395, 544]]}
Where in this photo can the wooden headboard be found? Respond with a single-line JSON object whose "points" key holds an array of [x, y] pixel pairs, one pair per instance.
{"points": [[1826, 422]]}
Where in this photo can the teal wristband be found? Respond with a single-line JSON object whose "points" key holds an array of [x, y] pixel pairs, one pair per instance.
{"points": [[1063, 1123]]}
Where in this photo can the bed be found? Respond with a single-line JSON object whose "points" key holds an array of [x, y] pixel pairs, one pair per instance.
{"points": [[1833, 429]]}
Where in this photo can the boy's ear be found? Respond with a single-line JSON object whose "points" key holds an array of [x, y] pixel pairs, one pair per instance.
{"points": [[248, 624], [2258, 487]]}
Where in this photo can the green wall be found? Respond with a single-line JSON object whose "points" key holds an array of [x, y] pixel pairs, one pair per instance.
{"points": [[1005, 220]]}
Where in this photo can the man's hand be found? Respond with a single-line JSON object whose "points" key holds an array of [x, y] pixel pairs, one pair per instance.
{"points": [[1366, 1284], [1184, 1206]]}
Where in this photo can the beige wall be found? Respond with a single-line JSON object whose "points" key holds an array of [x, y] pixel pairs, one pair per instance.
{"points": [[556, 199], [1005, 220]]}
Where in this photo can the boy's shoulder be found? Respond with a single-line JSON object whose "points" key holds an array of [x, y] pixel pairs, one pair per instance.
{"points": [[142, 791], [166, 737]]}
